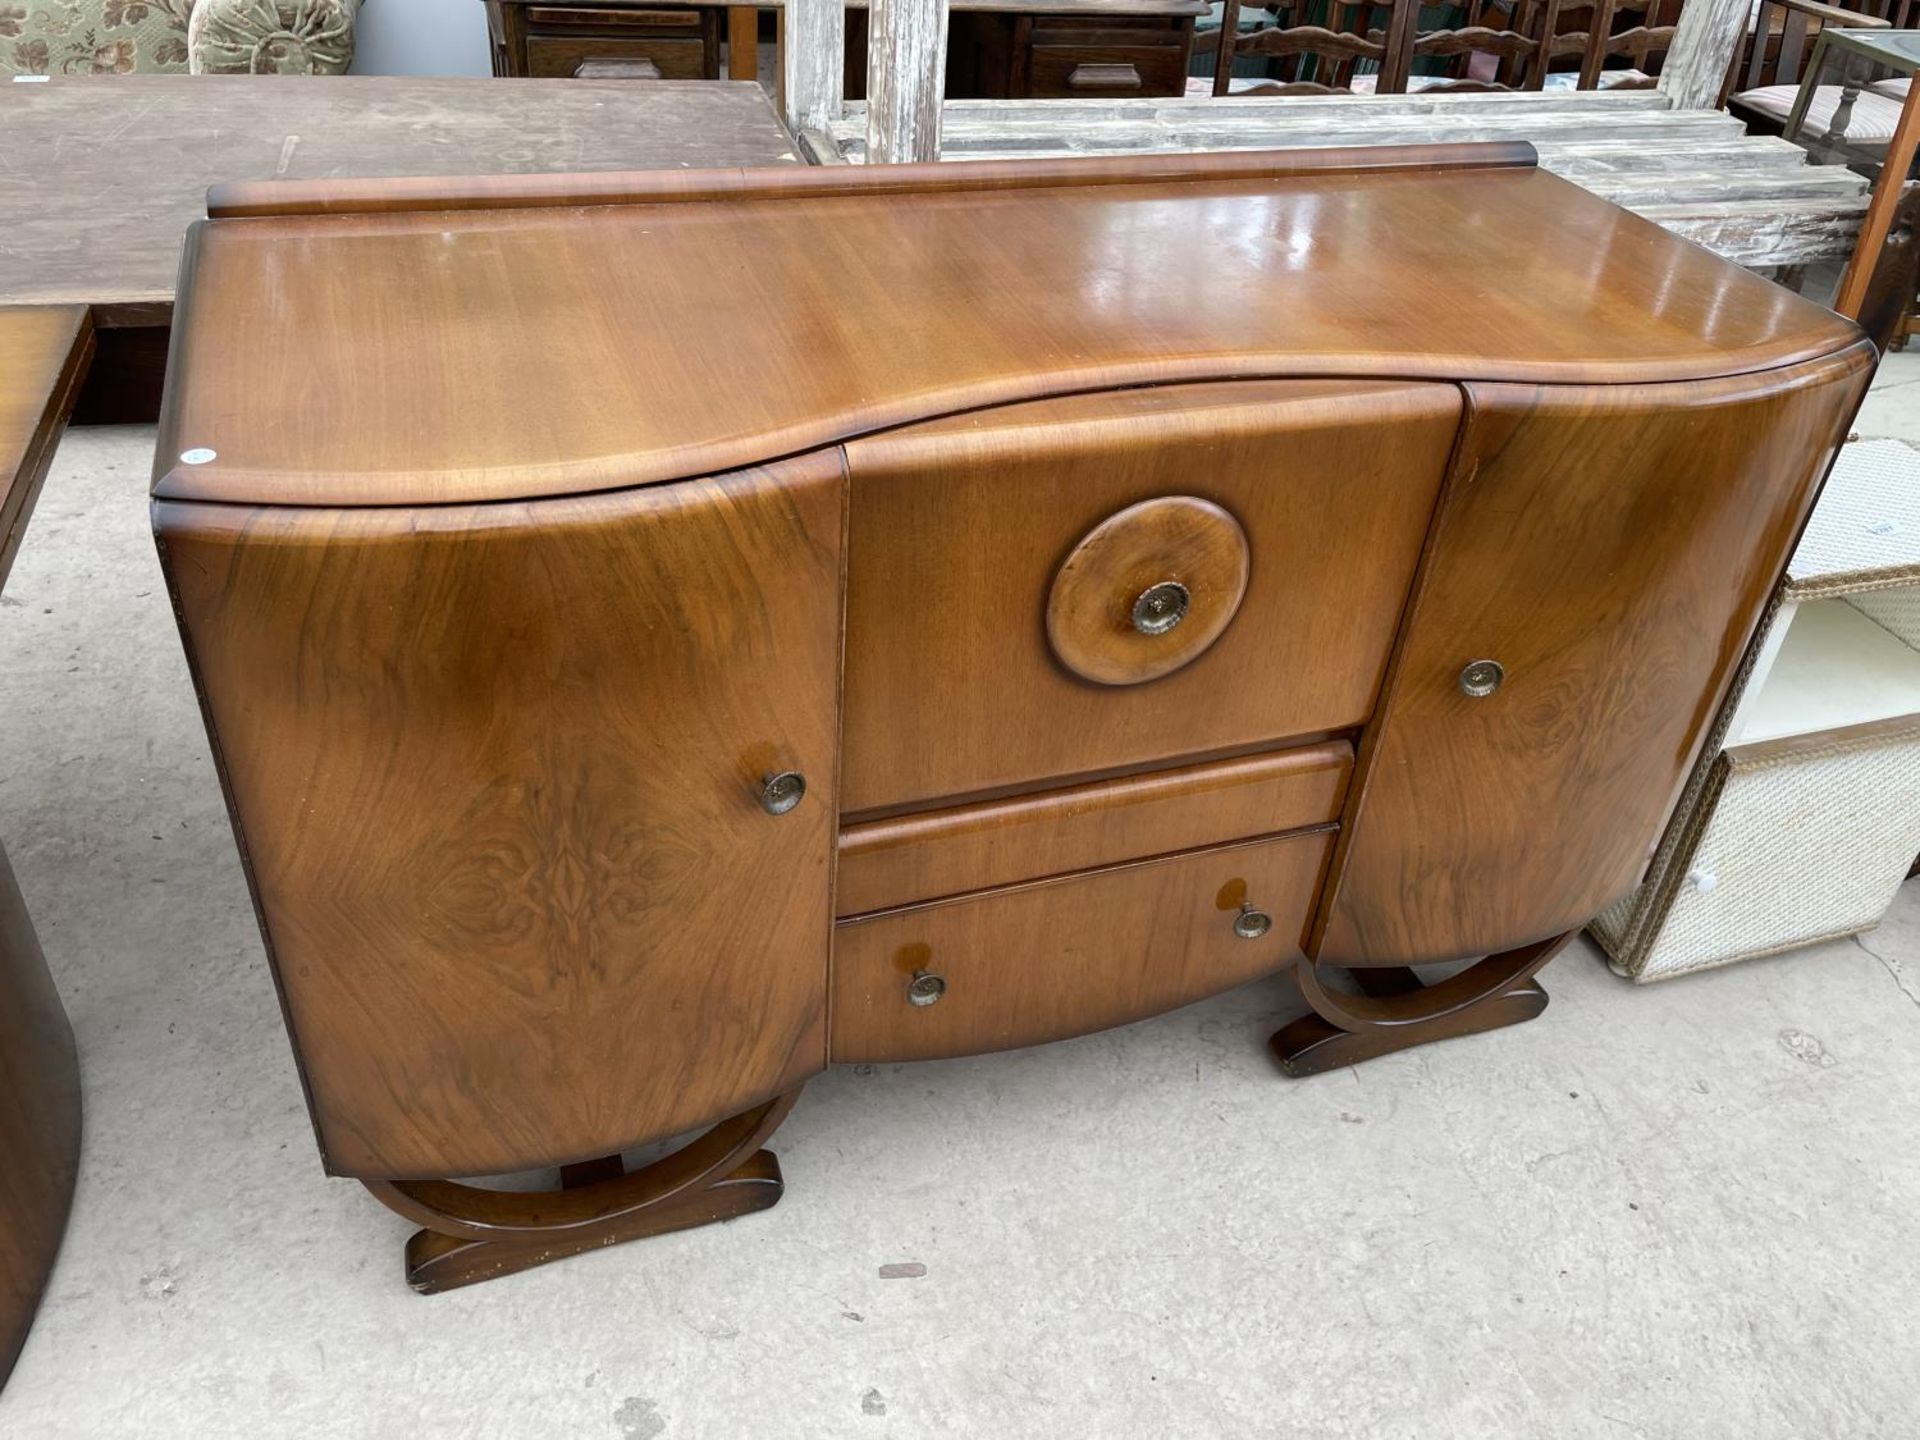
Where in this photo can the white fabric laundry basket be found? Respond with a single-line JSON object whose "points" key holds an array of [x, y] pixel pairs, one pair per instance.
{"points": [[1803, 816]]}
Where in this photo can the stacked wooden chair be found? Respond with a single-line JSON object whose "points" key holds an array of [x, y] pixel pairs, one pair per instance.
{"points": [[1357, 47]]}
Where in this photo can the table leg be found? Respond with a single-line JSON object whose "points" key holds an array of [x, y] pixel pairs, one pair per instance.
{"points": [[39, 1121], [743, 42]]}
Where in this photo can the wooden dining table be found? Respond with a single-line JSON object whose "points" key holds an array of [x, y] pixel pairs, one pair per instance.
{"points": [[106, 173]]}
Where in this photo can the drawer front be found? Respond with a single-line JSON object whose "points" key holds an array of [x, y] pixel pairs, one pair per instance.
{"points": [[886, 863], [1062, 957], [996, 562], [1115, 67], [674, 57]]}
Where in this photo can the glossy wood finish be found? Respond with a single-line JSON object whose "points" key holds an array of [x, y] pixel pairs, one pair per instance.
{"points": [[497, 775], [1612, 549], [44, 351], [43, 358], [889, 863], [1400, 1011], [494, 754], [39, 1121], [774, 350], [653, 187], [1103, 622], [959, 529], [1039, 962]]}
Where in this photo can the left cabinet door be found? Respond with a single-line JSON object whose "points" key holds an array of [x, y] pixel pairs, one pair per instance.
{"points": [[497, 772]]}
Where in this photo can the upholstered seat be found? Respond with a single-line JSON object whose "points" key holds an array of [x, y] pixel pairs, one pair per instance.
{"points": [[1876, 109]]}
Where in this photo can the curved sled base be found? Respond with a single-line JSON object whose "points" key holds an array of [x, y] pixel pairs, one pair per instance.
{"points": [[1396, 1010], [471, 1234]]}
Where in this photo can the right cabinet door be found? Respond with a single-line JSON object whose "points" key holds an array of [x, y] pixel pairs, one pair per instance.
{"points": [[1609, 550]]}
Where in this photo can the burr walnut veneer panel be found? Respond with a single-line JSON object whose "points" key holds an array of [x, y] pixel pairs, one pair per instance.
{"points": [[498, 772], [1611, 548]]}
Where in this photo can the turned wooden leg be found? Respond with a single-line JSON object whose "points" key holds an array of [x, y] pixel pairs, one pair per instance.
{"points": [[1396, 1011], [473, 1234]]}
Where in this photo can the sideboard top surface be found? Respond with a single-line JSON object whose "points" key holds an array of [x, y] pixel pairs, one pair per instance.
{"points": [[432, 347]]}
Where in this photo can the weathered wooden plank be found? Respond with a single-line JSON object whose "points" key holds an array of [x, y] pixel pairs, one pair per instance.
{"points": [[1763, 233], [1810, 182], [813, 80], [1753, 200], [906, 80], [820, 148], [1697, 63], [102, 223], [1302, 108], [1222, 124], [1120, 138]]}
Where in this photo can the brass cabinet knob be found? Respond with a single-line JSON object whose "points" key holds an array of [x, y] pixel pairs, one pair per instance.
{"points": [[1481, 678], [1161, 607], [780, 793], [925, 988], [1251, 924]]}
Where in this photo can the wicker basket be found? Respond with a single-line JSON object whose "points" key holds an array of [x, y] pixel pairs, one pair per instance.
{"points": [[1803, 816]]}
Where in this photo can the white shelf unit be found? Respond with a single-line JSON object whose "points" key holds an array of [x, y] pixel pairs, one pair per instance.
{"points": [[1803, 816]]}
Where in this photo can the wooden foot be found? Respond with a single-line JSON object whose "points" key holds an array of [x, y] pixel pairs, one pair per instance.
{"points": [[1396, 1011], [471, 1234], [437, 1262]]}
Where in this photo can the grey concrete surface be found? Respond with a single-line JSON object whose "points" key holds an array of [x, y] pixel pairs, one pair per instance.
{"points": [[1683, 1211]]}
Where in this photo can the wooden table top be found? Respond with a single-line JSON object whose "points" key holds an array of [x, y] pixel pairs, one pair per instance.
{"points": [[104, 174], [43, 355], [691, 324]]}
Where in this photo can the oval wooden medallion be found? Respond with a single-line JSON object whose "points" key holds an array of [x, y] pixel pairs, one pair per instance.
{"points": [[1147, 590]]}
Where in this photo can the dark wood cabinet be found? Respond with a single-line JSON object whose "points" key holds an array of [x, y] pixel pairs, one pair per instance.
{"points": [[996, 49], [1163, 573]]}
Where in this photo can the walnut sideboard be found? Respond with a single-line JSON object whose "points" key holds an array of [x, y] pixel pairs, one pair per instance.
{"points": [[666, 634]]}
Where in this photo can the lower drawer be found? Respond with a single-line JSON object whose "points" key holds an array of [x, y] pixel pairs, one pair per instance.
{"points": [[673, 57], [1039, 962]]}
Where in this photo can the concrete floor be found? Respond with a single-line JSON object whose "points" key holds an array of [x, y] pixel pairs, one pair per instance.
{"points": [[1677, 1211]]}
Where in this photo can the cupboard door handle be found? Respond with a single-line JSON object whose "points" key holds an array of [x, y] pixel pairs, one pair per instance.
{"points": [[1251, 924], [1161, 607], [1481, 678], [780, 793], [925, 988], [1088, 76]]}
